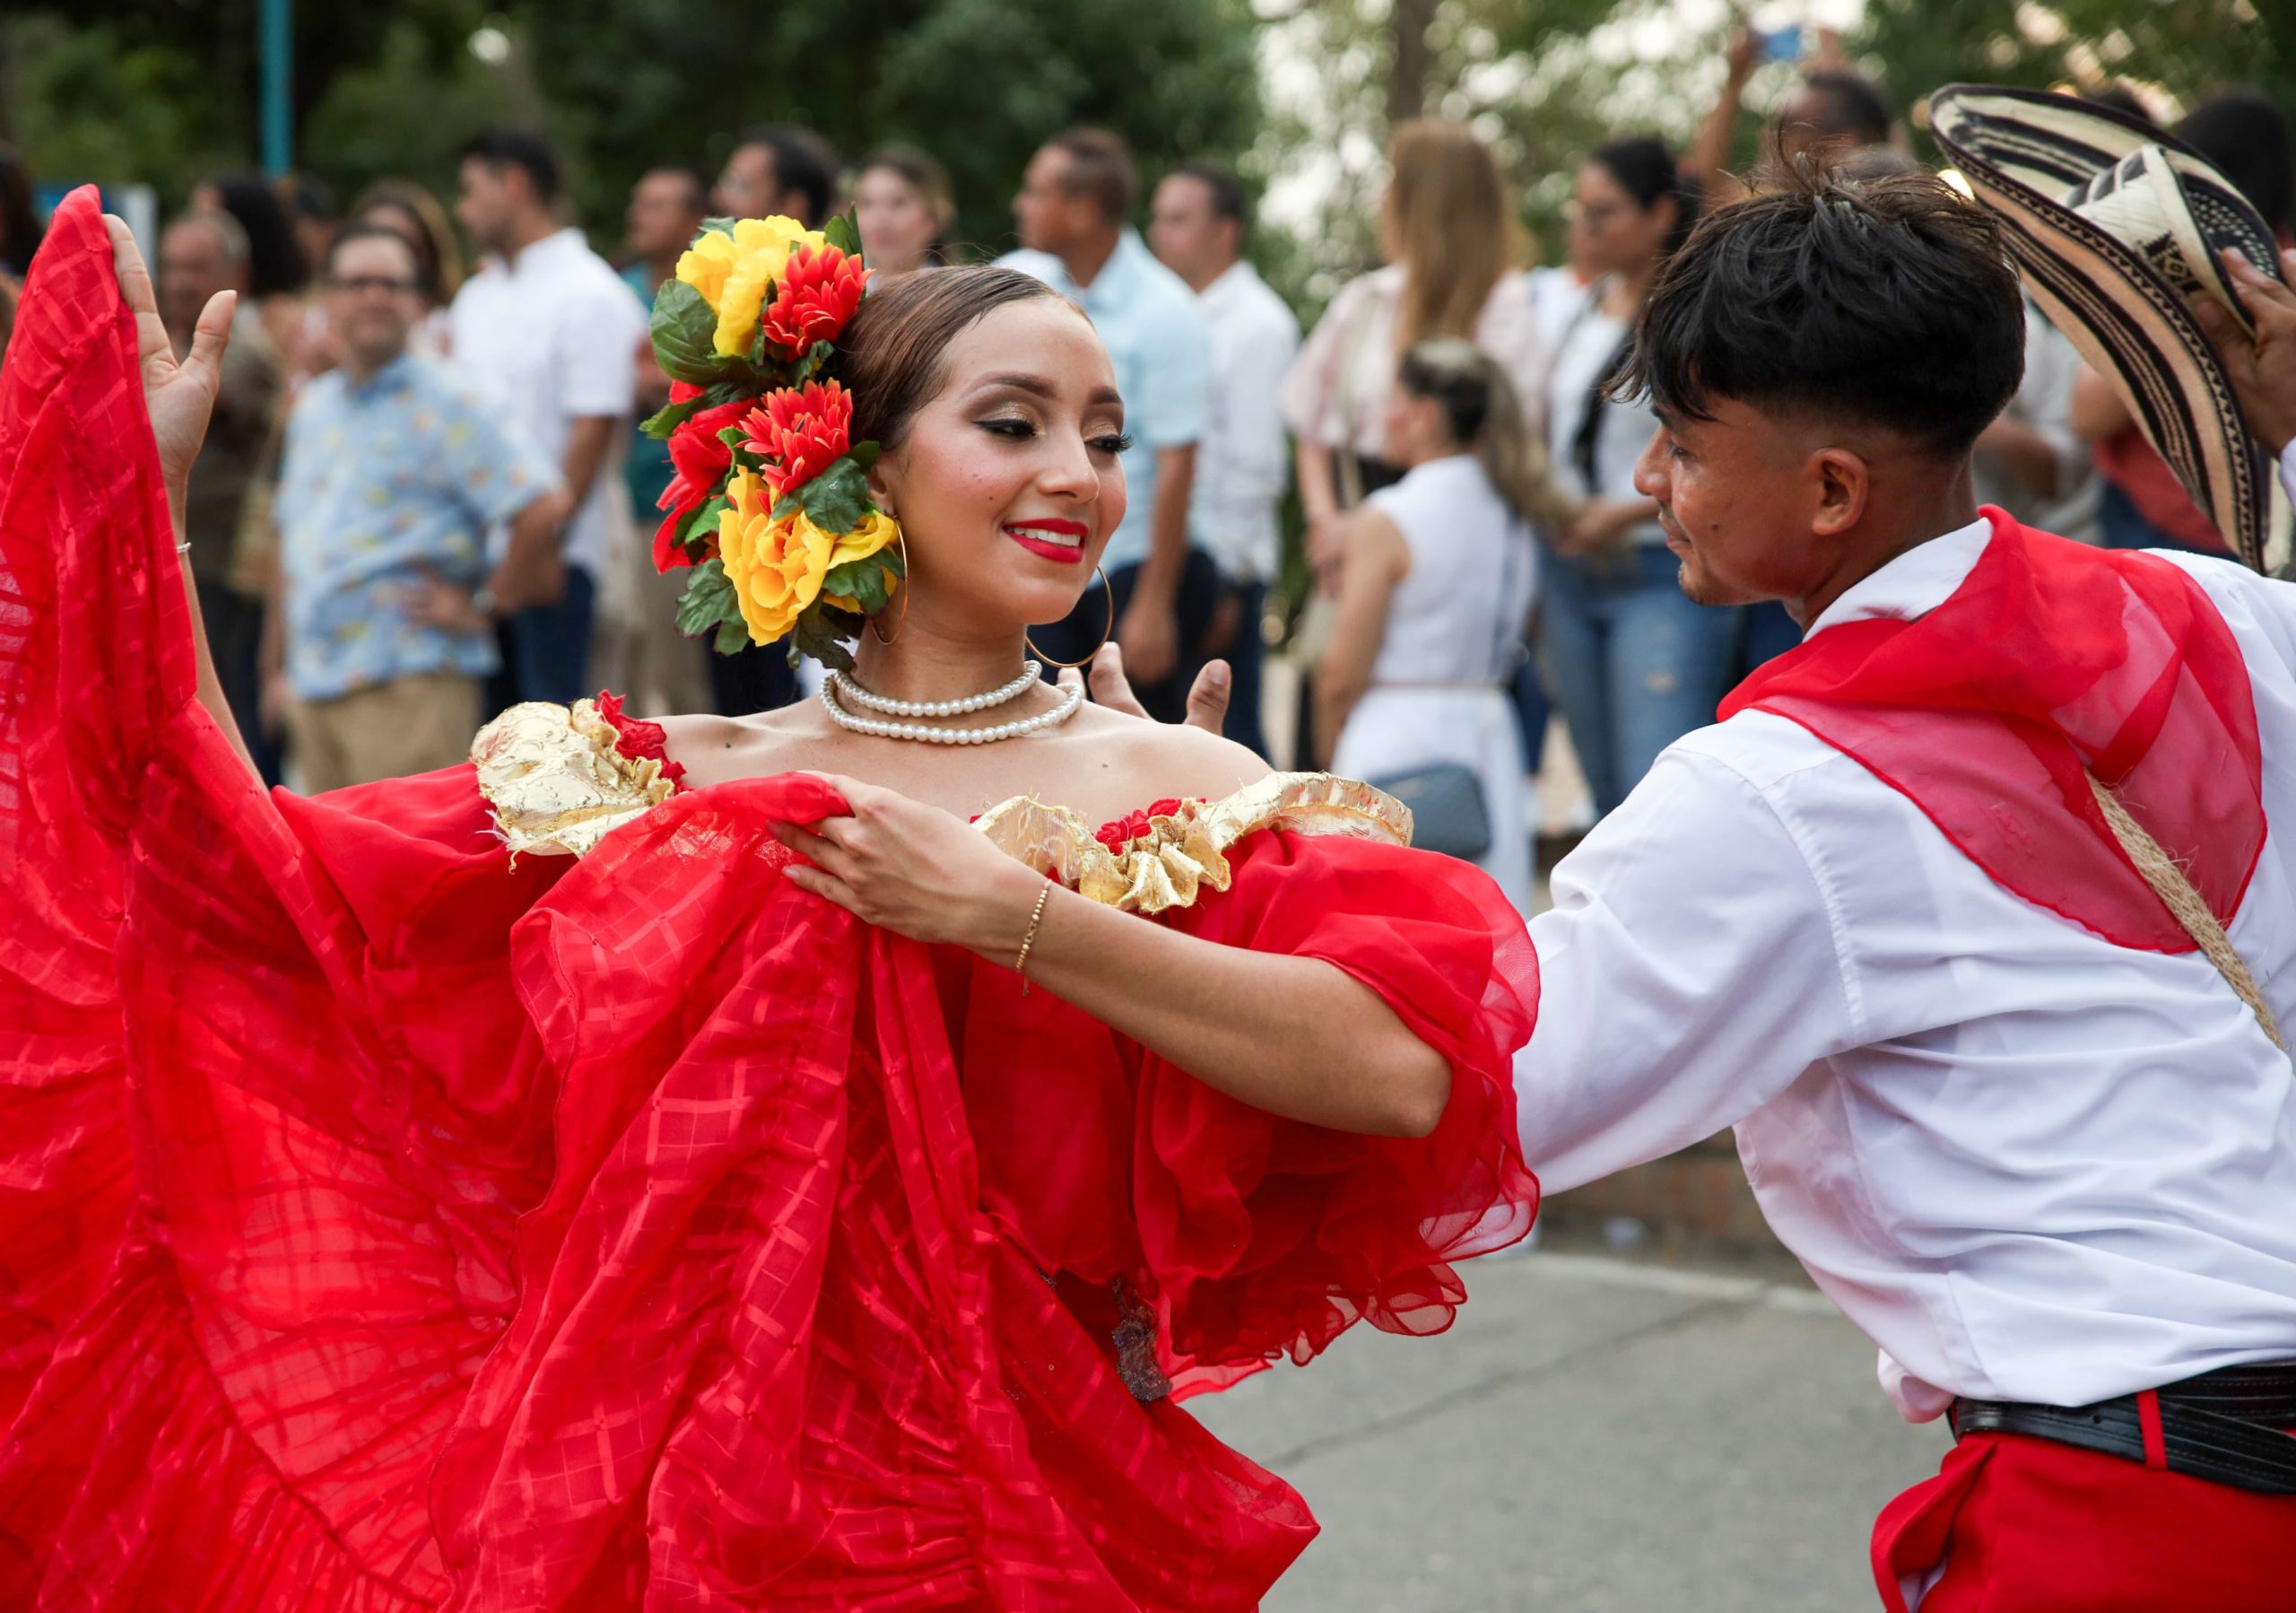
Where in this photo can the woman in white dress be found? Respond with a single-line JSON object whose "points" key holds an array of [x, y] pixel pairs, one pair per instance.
{"points": [[1438, 579]]}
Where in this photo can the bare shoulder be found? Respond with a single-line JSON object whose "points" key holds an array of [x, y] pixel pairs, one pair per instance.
{"points": [[715, 749], [1170, 759]]}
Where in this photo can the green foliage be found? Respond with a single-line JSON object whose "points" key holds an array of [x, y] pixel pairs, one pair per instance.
{"points": [[708, 600], [835, 501], [2176, 54], [684, 329], [677, 82]]}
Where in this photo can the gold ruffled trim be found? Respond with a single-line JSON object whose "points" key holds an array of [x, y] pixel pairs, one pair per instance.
{"points": [[555, 781], [558, 786], [1183, 852]]}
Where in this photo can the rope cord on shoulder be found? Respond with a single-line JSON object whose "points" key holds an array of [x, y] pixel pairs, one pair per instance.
{"points": [[2185, 904]]}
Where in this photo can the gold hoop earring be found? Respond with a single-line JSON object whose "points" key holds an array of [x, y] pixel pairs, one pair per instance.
{"points": [[900, 541], [1107, 632]]}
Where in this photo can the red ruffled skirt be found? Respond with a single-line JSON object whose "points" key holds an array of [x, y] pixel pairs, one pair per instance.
{"points": [[385, 1226]]}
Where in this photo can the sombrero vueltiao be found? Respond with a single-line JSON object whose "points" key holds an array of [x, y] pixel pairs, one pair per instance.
{"points": [[2115, 224]]}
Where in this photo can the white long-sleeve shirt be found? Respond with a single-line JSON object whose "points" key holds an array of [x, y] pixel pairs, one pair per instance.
{"points": [[2031, 1164], [1244, 458]]}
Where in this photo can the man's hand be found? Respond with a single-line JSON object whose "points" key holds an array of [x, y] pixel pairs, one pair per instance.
{"points": [[2263, 369], [1207, 697], [435, 602], [180, 397], [1602, 523], [1149, 634]]}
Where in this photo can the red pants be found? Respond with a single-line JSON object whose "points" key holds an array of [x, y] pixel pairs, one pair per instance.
{"points": [[2030, 1526]]}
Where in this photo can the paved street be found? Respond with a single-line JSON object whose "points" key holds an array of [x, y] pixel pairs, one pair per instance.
{"points": [[1592, 1435]]}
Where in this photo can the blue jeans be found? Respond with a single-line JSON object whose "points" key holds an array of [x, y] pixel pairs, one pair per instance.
{"points": [[546, 648], [1633, 663]]}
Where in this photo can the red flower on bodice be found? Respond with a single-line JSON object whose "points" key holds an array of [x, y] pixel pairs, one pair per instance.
{"points": [[639, 739]]}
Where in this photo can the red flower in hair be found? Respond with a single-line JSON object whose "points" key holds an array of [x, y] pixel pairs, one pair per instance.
{"points": [[637, 738], [700, 462], [801, 434], [816, 295]]}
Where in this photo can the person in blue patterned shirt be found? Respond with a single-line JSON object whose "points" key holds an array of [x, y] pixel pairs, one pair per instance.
{"points": [[393, 470]]}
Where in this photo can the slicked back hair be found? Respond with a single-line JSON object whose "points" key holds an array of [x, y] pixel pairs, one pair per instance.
{"points": [[1887, 302], [1100, 166], [1222, 188]]}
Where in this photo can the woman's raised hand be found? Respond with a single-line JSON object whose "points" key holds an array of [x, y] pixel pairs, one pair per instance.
{"points": [[181, 395], [914, 869]]}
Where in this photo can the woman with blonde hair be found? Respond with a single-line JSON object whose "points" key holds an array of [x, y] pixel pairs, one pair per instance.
{"points": [[1436, 580], [1446, 231]]}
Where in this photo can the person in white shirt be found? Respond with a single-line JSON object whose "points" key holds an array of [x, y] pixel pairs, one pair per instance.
{"points": [[1074, 211], [1976, 916], [548, 332], [1197, 226]]}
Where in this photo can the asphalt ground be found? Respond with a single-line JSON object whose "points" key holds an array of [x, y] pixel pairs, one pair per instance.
{"points": [[1593, 1435]]}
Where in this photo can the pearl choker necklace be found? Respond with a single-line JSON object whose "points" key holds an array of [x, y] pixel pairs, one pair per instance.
{"points": [[1002, 694], [838, 683]]}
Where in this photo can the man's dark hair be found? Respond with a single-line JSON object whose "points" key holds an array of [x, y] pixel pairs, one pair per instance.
{"points": [[1100, 165], [1225, 190], [696, 183], [803, 162], [1887, 302], [521, 149], [2246, 136], [352, 234], [275, 262], [1856, 108]]}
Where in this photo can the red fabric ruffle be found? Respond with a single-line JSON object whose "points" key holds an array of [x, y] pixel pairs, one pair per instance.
{"points": [[2051, 657], [385, 1227]]}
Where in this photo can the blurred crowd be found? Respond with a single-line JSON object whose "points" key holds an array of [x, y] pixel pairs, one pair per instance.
{"points": [[424, 496]]}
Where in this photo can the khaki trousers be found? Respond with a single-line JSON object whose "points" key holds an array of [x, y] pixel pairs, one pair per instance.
{"points": [[411, 725]]}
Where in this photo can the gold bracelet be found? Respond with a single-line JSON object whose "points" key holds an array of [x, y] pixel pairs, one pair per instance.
{"points": [[1021, 963]]}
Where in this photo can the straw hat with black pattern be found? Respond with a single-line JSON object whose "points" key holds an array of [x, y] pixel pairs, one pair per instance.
{"points": [[2115, 224]]}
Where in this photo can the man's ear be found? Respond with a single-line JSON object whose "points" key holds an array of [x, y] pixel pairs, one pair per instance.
{"points": [[1839, 483]]}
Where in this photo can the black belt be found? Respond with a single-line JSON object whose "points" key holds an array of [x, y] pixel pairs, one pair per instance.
{"points": [[2225, 1426]]}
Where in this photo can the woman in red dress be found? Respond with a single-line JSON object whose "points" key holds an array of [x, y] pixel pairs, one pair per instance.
{"points": [[541, 1185]]}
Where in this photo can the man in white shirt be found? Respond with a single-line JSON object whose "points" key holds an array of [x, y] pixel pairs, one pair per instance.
{"points": [[548, 332], [1197, 226], [1976, 916], [1073, 211]]}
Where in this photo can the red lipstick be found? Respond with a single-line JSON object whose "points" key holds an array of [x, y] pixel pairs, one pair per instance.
{"points": [[1050, 537]]}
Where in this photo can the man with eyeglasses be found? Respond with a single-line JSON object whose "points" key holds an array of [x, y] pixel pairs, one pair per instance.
{"points": [[393, 470]]}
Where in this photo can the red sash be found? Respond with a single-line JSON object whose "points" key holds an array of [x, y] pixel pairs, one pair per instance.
{"points": [[2052, 657]]}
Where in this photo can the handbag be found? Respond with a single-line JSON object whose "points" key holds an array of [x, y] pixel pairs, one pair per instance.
{"points": [[1448, 811]]}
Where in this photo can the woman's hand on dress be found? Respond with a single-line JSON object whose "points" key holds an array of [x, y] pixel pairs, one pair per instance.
{"points": [[178, 394], [914, 869]]}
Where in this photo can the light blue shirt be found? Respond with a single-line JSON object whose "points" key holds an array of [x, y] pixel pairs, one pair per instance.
{"points": [[1161, 349], [382, 483]]}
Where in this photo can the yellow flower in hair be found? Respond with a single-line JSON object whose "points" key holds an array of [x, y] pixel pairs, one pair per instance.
{"points": [[732, 272], [777, 566]]}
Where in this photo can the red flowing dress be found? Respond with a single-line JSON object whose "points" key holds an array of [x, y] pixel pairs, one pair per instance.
{"points": [[389, 1224]]}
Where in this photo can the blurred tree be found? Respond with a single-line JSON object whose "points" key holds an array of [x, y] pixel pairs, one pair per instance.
{"points": [[977, 82], [2175, 53]]}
